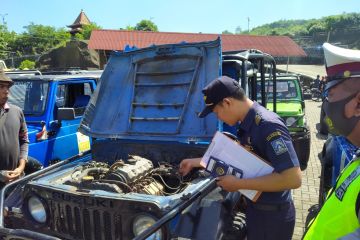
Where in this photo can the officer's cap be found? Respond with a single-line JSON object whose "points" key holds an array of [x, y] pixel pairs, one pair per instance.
{"points": [[341, 64], [216, 91]]}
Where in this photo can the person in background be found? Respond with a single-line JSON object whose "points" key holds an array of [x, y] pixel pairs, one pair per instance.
{"points": [[316, 82], [272, 216], [13, 136], [322, 84], [339, 217]]}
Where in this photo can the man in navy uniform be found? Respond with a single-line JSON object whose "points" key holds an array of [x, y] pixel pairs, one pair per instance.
{"points": [[272, 216]]}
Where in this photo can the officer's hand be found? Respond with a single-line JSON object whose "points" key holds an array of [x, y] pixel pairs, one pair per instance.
{"points": [[228, 183], [187, 164]]}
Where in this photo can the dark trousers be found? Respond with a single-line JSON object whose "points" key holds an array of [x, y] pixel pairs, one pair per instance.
{"points": [[270, 224]]}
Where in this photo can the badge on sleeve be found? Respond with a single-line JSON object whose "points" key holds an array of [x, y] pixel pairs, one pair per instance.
{"points": [[257, 119], [279, 146]]}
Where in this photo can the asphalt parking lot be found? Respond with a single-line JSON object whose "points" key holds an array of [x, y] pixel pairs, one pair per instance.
{"points": [[307, 195]]}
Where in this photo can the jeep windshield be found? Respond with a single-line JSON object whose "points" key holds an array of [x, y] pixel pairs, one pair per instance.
{"points": [[286, 90], [30, 96]]}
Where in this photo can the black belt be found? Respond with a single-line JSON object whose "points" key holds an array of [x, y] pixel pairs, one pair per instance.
{"points": [[270, 207]]}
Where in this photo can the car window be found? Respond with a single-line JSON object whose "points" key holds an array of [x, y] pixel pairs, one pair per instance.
{"points": [[60, 96], [74, 95], [30, 96], [285, 90]]}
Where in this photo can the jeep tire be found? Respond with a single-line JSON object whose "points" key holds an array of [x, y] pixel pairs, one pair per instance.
{"points": [[32, 165]]}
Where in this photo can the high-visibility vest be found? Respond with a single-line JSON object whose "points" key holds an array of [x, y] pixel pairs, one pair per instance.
{"points": [[338, 216]]}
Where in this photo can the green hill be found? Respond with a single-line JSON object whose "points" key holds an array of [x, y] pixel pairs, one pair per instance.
{"points": [[343, 29]]}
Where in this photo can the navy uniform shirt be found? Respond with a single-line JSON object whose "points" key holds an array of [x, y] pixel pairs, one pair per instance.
{"points": [[265, 133]]}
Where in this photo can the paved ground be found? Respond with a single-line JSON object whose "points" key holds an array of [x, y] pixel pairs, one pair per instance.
{"points": [[307, 195], [308, 70]]}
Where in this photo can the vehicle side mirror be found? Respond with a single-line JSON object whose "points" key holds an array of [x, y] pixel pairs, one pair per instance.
{"points": [[65, 114]]}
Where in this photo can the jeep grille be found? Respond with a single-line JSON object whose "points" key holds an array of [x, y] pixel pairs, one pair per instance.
{"points": [[85, 223]]}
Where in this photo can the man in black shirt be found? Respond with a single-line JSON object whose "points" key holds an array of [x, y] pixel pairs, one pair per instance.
{"points": [[317, 82], [13, 136]]}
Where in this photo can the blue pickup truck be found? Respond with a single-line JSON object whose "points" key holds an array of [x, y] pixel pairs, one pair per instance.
{"points": [[53, 106]]}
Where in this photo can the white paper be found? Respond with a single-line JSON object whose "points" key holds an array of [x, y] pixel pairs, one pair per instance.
{"points": [[227, 150]]}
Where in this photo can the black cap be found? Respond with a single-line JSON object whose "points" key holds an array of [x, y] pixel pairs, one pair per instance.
{"points": [[216, 91]]}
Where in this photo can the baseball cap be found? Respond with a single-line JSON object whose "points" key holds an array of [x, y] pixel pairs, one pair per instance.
{"points": [[216, 91], [341, 64]]}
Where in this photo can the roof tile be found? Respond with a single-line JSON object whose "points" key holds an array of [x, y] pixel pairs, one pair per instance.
{"points": [[277, 46]]}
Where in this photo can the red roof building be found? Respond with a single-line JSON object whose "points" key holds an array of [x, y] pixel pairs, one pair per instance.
{"points": [[277, 46]]}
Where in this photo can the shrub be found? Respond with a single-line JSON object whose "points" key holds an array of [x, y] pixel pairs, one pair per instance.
{"points": [[27, 64]]}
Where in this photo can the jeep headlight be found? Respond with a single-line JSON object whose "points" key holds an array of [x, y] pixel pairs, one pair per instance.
{"points": [[143, 222], [290, 121], [37, 209]]}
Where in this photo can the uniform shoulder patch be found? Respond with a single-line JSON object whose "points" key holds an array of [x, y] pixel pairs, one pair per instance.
{"points": [[279, 146], [257, 119], [272, 135]]}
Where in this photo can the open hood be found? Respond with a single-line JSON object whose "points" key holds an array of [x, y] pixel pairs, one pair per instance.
{"points": [[155, 94]]}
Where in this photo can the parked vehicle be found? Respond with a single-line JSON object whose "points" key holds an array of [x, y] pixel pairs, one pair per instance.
{"points": [[316, 95], [143, 121], [306, 92], [53, 107], [291, 108]]}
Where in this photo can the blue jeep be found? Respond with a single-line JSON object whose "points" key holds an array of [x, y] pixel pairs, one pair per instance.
{"points": [[53, 107]]}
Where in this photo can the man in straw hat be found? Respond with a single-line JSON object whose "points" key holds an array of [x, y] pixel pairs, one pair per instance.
{"points": [[13, 136], [339, 217]]}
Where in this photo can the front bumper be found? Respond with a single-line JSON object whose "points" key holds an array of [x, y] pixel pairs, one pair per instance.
{"points": [[23, 234], [301, 142]]}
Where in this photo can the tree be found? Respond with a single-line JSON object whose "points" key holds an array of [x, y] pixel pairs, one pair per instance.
{"points": [[6, 38], [39, 38], [226, 32], [146, 25], [87, 29], [130, 28]]}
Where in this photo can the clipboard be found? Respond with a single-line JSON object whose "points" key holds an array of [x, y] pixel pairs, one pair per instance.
{"points": [[224, 153]]}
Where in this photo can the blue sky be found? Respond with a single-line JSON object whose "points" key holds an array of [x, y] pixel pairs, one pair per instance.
{"points": [[206, 16]]}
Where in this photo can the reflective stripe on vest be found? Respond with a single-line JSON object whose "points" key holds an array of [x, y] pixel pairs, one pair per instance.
{"points": [[338, 216]]}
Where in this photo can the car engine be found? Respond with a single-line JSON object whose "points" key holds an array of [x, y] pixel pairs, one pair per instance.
{"points": [[133, 175]]}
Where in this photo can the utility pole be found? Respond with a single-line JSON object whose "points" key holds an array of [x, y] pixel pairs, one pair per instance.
{"points": [[3, 17], [248, 24]]}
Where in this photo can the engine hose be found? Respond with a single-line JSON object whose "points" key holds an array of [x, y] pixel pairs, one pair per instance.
{"points": [[116, 164], [163, 181], [117, 183]]}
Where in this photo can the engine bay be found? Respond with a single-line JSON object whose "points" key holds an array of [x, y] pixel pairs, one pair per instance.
{"points": [[133, 175]]}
